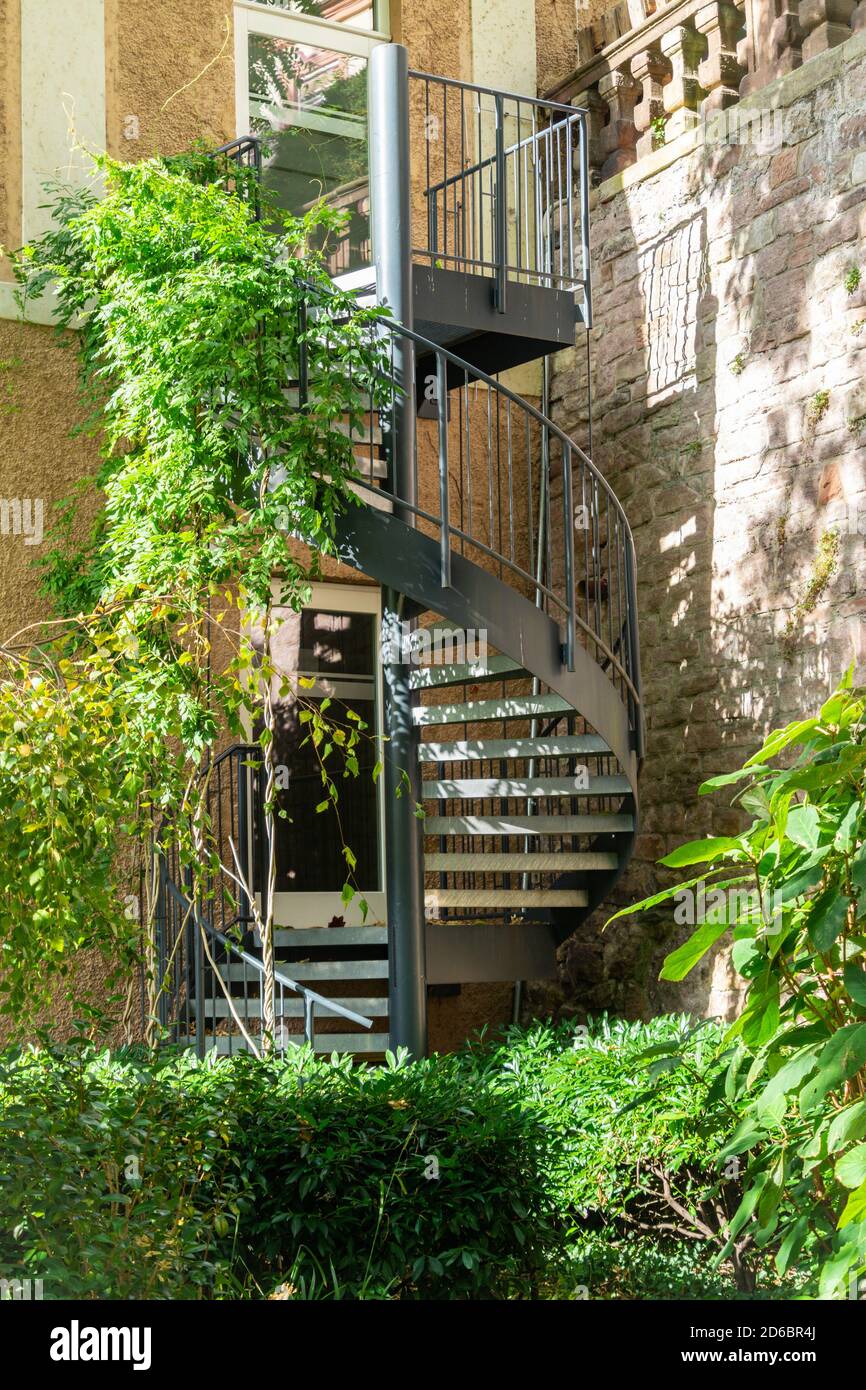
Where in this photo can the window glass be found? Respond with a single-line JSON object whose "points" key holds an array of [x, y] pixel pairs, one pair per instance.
{"points": [[358, 13], [338, 649], [309, 105]]}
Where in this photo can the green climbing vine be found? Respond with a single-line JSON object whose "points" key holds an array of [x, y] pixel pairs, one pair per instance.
{"points": [[187, 317]]}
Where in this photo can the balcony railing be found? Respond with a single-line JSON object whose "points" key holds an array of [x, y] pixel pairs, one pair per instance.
{"points": [[204, 968], [498, 482], [504, 185], [492, 479]]}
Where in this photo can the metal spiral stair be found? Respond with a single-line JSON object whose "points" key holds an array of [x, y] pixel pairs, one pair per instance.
{"points": [[492, 521]]}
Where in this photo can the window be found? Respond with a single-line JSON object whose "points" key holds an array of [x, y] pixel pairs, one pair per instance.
{"points": [[302, 87]]}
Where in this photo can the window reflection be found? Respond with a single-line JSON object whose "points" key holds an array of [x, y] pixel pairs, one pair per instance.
{"points": [[309, 105]]}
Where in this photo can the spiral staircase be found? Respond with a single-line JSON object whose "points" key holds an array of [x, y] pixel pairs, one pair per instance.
{"points": [[486, 519]]}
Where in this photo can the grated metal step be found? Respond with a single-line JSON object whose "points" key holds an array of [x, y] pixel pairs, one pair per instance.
{"points": [[477, 711], [505, 897], [527, 825], [372, 1007], [480, 749], [305, 971], [225, 1044], [484, 788], [560, 861], [489, 668], [304, 937]]}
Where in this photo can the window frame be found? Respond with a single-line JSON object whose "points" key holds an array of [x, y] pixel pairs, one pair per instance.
{"points": [[304, 910], [251, 18]]}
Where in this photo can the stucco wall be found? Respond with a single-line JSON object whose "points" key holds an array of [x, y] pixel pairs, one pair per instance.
{"points": [[556, 40], [722, 318], [10, 127], [173, 69]]}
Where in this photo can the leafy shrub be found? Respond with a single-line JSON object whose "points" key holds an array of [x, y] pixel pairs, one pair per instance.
{"points": [[791, 889], [603, 1265], [126, 1177], [556, 1157], [642, 1120]]}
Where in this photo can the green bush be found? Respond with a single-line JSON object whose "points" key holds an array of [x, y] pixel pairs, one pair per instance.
{"points": [[642, 1121], [128, 1177], [555, 1158]]}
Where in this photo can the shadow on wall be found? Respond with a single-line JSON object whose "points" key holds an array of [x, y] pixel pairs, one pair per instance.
{"points": [[730, 419], [653, 366]]}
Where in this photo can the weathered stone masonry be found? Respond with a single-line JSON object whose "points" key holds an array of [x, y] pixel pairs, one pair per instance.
{"points": [[728, 359]]}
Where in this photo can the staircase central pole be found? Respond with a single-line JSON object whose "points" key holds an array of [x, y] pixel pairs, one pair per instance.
{"points": [[404, 849]]}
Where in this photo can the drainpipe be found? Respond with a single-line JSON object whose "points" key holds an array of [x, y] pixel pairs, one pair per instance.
{"points": [[404, 846], [532, 804]]}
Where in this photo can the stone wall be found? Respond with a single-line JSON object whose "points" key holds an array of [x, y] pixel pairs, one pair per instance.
{"points": [[728, 359]]}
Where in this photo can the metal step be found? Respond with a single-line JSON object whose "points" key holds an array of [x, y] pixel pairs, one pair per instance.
{"points": [[361, 434], [505, 897], [558, 862], [351, 1042], [370, 496], [480, 749], [483, 788], [370, 1006], [308, 970], [370, 468], [488, 668], [507, 707], [227, 1043], [527, 825], [304, 937]]}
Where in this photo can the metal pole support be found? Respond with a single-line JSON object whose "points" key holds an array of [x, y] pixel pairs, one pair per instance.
{"points": [[404, 857]]}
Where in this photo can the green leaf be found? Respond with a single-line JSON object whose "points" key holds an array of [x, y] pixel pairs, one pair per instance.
{"points": [[803, 826], [850, 1170], [744, 1211], [855, 982], [747, 1134], [787, 1078], [663, 1065], [854, 1209], [783, 738], [725, 779], [834, 1270], [653, 901], [827, 919], [799, 883], [678, 964], [840, 1058], [843, 840], [849, 1124], [700, 851], [792, 1244]]}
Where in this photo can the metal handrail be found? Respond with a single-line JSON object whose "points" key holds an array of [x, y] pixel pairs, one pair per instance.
{"points": [[566, 603], [574, 115], [497, 91], [282, 979], [607, 562], [181, 956]]}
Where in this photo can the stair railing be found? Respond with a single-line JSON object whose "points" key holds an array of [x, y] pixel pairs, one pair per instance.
{"points": [[479, 498], [487, 440], [191, 948]]}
